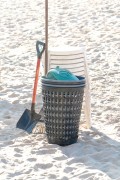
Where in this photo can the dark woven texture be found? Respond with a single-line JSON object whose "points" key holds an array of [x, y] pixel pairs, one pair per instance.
{"points": [[62, 109]]}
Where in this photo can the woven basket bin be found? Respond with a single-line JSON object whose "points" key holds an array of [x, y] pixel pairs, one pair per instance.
{"points": [[62, 104]]}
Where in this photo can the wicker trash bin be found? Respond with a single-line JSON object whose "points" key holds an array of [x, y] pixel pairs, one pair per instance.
{"points": [[62, 103]]}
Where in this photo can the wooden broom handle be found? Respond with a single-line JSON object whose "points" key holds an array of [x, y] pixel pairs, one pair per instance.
{"points": [[46, 36]]}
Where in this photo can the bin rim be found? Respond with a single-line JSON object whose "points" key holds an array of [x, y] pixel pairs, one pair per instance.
{"points": [[63, 86], [70, 83]]}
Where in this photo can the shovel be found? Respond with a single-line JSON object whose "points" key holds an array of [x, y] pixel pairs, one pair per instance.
{"points": [[30, 118]]}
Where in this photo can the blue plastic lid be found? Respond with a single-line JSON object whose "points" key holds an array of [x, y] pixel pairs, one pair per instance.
{"points": [[61, 74]]}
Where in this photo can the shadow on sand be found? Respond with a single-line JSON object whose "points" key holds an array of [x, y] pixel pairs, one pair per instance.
{"points": [[98, 152]]}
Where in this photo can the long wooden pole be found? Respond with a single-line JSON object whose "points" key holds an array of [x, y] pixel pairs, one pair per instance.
{"points": [[46, 36]]}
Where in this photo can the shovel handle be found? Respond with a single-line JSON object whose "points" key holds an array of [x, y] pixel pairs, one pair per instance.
{"points": [[40, 47]]}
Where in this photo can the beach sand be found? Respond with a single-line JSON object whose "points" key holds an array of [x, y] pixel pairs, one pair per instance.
{"points": [[92, 23]]}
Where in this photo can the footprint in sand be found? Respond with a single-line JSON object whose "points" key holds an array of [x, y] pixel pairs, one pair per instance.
{"points": [[13, 95], [44, 151], [68, 169], [8, 120], [7, 117], [15, 102], [18, 150], [4, 161], [17, 155], [13, 175], [42, 166], [52, 176], [31, 159], [60, 158]]}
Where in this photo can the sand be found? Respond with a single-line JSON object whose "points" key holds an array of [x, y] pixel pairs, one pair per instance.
{"points": [[92, 23]]}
